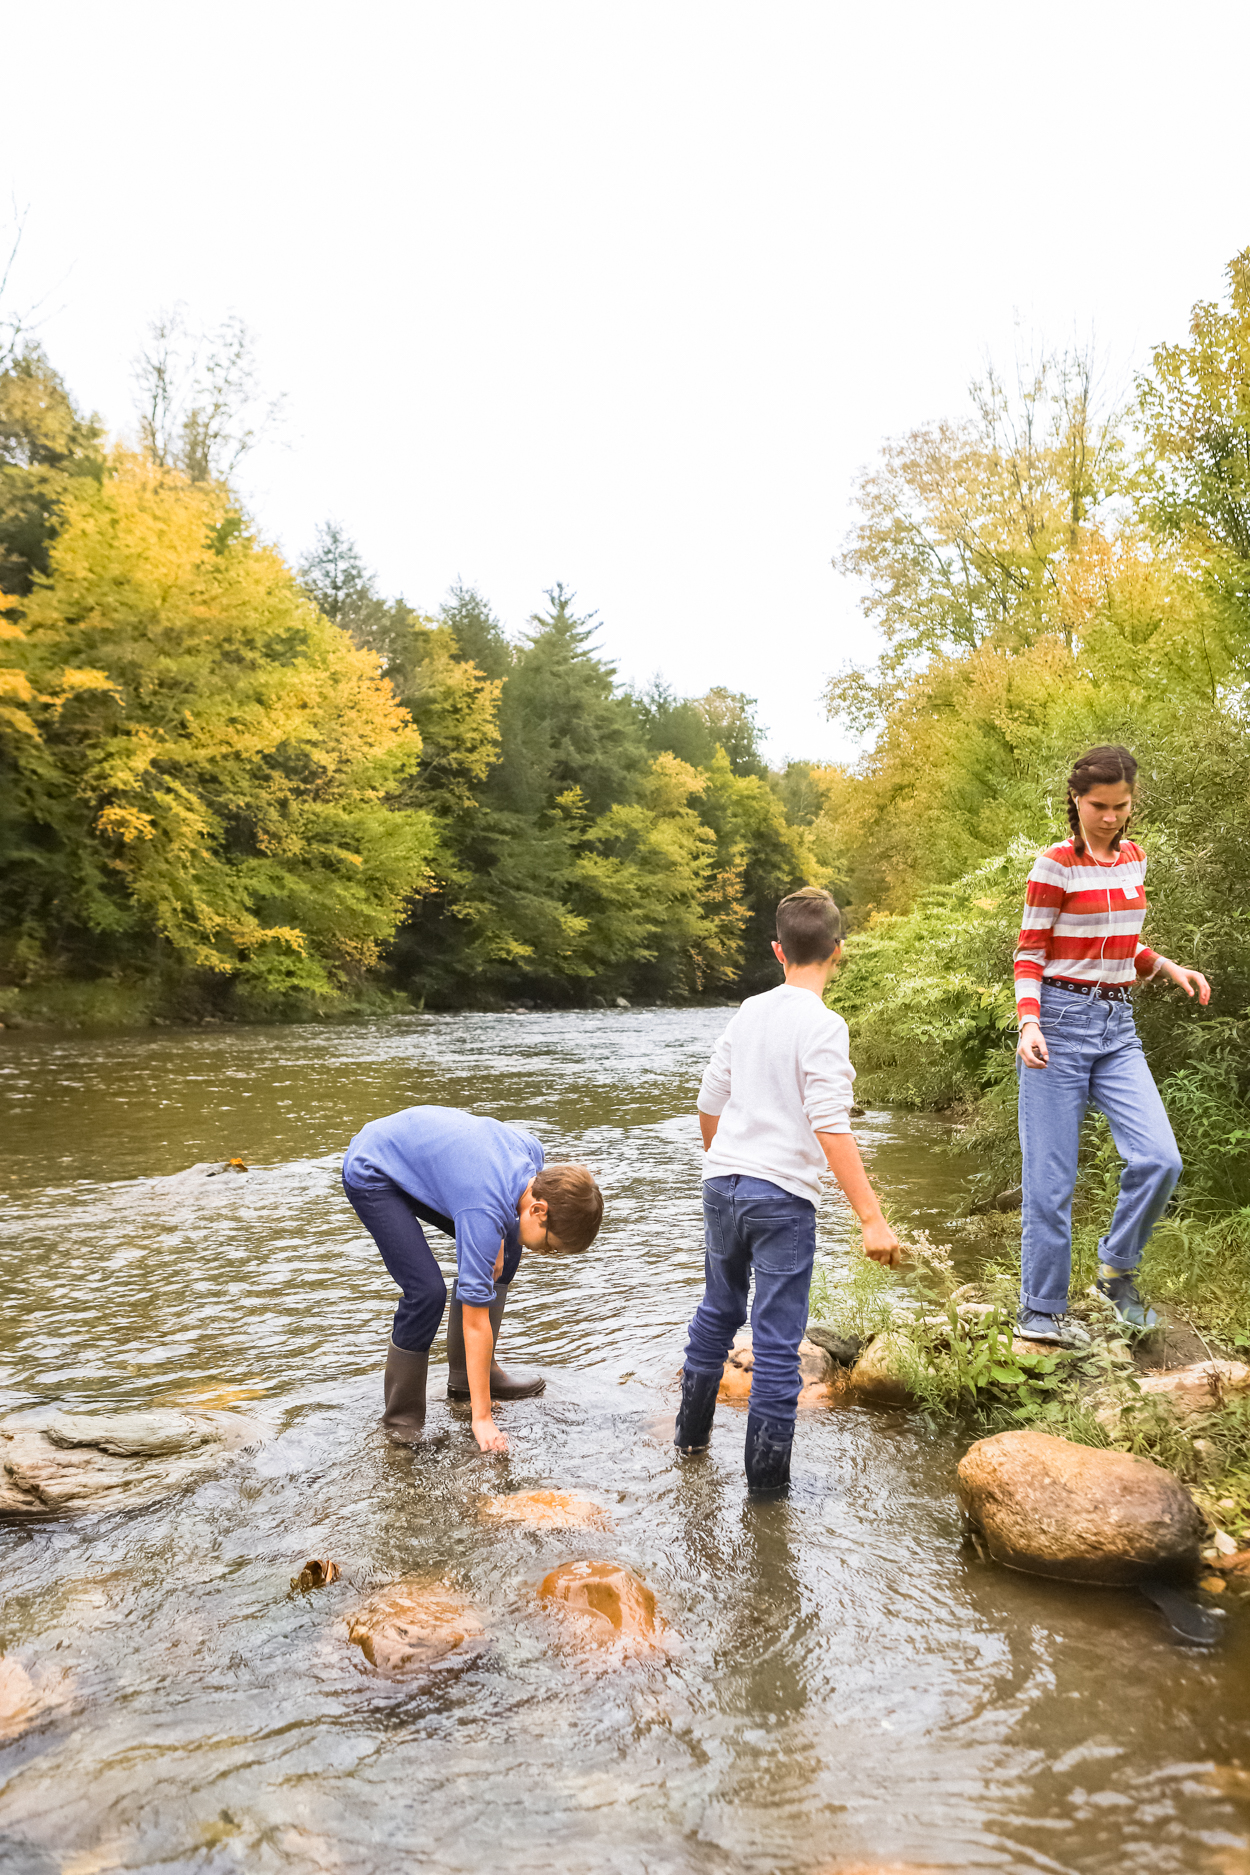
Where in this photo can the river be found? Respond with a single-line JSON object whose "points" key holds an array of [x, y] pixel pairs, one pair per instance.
{"points": [[852, 1684]]}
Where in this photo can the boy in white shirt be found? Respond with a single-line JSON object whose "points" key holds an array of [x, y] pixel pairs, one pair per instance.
{"points": [[774, 1110]]}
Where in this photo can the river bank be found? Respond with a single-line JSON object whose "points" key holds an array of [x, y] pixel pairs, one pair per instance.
{"points": [[852, 1685]]}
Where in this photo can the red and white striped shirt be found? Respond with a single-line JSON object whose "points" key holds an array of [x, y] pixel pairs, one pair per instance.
{"points": [[1082, 920]]}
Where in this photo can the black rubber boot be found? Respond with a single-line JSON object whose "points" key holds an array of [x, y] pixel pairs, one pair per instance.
{"points": [[768, 1454], [693, 1431], [519, 1384], [403, 1393]]}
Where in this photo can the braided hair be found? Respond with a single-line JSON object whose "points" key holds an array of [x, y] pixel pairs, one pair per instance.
{"points": [[1101, 766]]}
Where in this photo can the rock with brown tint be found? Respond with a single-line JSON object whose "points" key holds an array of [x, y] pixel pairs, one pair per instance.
{"points": [[24, 1699], [878, 1373], [315, 1574], [415, 1624], [549, 1510], [612, 1596], [816, 1372], [884, 1868], [1193, 1392], [1052, 1508], [68, 1462]]}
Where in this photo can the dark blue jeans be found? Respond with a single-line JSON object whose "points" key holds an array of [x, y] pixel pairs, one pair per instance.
{"points": [[394, 1220], [750, 1223]]}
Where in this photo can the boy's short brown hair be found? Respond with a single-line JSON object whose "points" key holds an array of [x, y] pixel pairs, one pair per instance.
{"points": [[809, 926], [574, 1204]]}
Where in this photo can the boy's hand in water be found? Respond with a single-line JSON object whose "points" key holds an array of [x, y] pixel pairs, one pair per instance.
{"points": [[489, 1436], [881, 1244]]}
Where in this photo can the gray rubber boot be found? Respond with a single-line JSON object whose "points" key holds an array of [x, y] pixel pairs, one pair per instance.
{"points": [[519, 1384], [403, 1393]]}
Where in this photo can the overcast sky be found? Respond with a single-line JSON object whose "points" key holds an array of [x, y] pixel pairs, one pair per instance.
{"points": [[620, 295]]}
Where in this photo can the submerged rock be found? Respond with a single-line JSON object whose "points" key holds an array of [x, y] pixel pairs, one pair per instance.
{"points": [[1052, 1508], [613, 1596], [548, 1510], [415, 1624], [816, 1372], [69, 1462], [315, 1575], [24, 1700]]}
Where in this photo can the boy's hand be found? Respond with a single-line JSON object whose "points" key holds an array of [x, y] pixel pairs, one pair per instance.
{"points": [[488, 1435], [881, 1244]]}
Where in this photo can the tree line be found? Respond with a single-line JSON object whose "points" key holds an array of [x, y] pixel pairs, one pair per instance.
{"points": [[232, 785]]}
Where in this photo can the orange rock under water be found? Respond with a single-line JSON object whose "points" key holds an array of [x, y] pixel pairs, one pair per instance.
{"points": [[548, 1510], [613, 1595], [414, 1624], [816, 1373]]}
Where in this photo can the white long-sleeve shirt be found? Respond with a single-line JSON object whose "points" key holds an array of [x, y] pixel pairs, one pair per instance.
{"points": [[779, 1074]]}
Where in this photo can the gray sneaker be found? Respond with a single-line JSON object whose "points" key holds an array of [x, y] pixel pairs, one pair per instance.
{"points": [[1032, 1325], [1125, 1298]]}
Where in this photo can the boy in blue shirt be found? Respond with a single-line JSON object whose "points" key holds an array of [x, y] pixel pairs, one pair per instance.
{"points": [[484, 1183]]}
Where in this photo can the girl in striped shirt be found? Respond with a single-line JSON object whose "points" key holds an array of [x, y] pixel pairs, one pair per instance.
{"points": [[1080, 952]]}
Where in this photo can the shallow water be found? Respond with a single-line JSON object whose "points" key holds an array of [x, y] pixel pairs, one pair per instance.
{"points": [[851, 1684]]}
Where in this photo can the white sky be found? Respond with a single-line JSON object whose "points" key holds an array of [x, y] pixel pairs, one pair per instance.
{"points": [[620, 294]]}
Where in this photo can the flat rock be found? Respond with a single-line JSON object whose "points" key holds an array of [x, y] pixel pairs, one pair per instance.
{"points": [[616, 1601], [413, 1625], [1051, 1508], [816, 1372], [71, 1462], [549, 1510], [1193, 1392], [843, 1350]]}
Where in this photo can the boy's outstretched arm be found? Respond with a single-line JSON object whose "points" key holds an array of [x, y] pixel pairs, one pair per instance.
{"points": [[847, 1167]]}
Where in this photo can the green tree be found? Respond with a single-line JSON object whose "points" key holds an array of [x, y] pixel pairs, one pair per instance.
{"points": [[198, 764], [46, 446]]}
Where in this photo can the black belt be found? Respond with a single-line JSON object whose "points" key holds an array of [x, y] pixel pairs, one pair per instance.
{"points": [[1108, 993]]}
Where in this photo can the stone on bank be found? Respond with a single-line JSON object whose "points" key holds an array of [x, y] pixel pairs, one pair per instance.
{"points": [[1052, 1508]]}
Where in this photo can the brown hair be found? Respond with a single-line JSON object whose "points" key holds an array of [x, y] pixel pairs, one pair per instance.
{"points": [[1108, 763], [574, 1204], [809, 926]]}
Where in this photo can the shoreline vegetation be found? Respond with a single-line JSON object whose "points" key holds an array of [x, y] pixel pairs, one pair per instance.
{"points": [[233, 789]]}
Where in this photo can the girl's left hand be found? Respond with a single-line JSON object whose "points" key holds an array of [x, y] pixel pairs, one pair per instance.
{"points": [[1188, 980]]}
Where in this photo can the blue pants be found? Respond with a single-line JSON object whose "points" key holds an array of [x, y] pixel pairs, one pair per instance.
{"points": [[1096, 1060], [394, 1220], [749, 1222]]}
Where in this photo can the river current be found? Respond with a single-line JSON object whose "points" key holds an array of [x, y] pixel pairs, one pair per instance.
{"points": [[851, 1684]]}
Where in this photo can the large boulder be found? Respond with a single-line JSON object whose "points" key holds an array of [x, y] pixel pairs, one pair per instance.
{"points": [[1052, 1508], [816, 1372], [613, 1598], [68, 1462], [549, 1510], [413, 1625]]}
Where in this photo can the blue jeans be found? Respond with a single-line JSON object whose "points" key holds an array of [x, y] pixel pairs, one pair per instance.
{"points": [[750, 1222], [394, 1220], [1096, 1060]]}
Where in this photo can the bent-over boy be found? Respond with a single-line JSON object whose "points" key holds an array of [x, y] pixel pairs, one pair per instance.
{"points": [[484, 1183], [774, 1110]]}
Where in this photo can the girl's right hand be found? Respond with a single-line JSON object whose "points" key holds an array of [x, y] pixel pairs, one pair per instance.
{"points": [[1031, 1047], [489, 1436]]}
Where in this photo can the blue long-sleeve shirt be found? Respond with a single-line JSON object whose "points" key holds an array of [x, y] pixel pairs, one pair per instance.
{"points": [[470, 1168]]}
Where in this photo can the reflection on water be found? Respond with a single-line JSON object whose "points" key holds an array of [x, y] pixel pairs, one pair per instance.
{"points": [[851, 1684]]}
